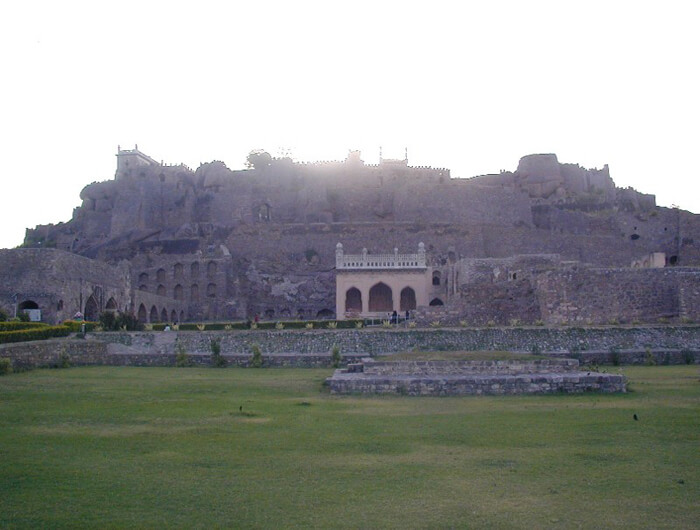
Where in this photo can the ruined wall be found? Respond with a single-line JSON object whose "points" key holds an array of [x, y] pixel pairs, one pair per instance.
{"points": [[612, 295], [61, 283]]}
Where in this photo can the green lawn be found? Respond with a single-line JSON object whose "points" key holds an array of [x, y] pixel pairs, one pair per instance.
{"points": [[166, 447]]}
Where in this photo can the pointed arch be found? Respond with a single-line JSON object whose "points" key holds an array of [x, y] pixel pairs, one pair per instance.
{"points": [[353, 300], [164, 315], [160, 291], [142, 314], [436, 302], [194, 293], [408, 299], [177, 292], [381, 298], [153, 317], [111, 305], [92, 310], [160, 275]]}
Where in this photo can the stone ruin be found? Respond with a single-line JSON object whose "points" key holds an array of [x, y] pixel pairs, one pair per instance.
{"points": [[465, 377], [549, 242]]}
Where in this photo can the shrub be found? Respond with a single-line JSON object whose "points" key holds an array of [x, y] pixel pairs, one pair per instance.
{"points": [[5, 366], [279, 325], [182, 360], [649, 358], [386, 323], [254, 325], [663, 320], [76, 326], [149, 327], [3, 316], [358, 324], [63, 360], [256, 359], [491, 323], [23, 317], [412, 324], [309, 325], [514, 322], [332, 325], [108, 321], [201, 327], [16, 325], [34, 333], [615, 356], [688, 356], [435, 324], [217, 360], [686, 320], [228, 327], [463, 323], [539, 322], [336, 359]]}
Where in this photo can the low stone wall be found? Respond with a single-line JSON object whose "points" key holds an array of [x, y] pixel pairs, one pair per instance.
{"points": [[427, 368], [374, 341], [602, 345], [570, 383], [74, 352]]}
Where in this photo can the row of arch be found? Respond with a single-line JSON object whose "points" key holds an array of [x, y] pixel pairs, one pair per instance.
{"points": [[154, 315], [178, 272], [381, 299], [178, 292]]}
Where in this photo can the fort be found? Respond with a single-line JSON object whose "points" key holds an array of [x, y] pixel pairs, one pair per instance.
{"points": [[548, 243]]}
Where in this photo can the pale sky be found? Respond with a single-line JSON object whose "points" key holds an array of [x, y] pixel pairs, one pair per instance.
{"points": [[471, 86]]}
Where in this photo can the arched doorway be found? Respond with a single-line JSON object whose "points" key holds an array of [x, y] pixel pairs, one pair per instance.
{"points": [[325, 314], [142, 315], [92, 310], [381, 298], [164, 315], [173, 316], [111, 305], [28, 304], [436, 301], [154, 314], [408, 299], [353, 300]]}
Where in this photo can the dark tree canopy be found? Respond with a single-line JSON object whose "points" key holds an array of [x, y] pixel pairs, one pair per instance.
{"points": [[259, 158]]}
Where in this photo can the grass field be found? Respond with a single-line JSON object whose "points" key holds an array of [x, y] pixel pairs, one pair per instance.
{"points": [[207, 448]]}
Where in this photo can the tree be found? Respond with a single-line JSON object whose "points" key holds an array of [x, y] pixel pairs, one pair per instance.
{"points": [[259, 159]]}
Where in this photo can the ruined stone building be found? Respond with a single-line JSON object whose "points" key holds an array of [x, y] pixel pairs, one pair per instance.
{"points": [[549, 241]]}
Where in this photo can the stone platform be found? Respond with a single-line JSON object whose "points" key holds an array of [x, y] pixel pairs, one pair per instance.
{"points": [[462, 378]]}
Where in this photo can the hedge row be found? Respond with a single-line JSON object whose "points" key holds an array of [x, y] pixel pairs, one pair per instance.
{"points": [[288, 324], [76, 325], [40, 333], [17, 326]]}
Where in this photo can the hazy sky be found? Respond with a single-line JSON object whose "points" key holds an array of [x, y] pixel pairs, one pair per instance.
{"points": [[471, 86]]}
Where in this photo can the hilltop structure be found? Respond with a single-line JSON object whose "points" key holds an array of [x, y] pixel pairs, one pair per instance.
{"points": [[547, 242]]}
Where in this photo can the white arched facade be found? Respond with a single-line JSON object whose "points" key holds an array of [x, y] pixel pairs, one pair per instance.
{"points": [[369, 286]]}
